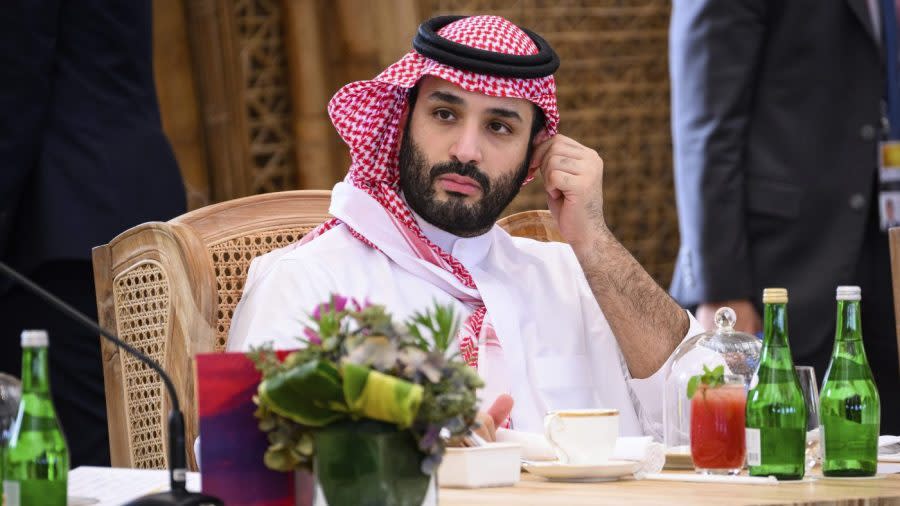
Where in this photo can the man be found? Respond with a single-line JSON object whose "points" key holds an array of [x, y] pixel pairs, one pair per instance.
{"points": [[82, 158], [441, 142], [776, 118]]}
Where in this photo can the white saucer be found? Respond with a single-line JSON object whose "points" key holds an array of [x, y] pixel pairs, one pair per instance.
{"points": [[607, 471]]}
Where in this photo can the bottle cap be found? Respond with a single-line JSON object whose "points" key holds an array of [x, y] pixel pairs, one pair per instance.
{"points": [[34, 338], [775, 296], [849, 293]]}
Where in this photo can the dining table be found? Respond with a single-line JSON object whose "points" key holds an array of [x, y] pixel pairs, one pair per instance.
{"points": [[883, 489], [104, 486]]}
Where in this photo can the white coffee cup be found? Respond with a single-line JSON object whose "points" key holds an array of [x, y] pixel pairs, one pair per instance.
{"points": [[582, 436]]}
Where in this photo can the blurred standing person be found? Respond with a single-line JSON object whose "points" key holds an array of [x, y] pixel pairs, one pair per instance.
{"points": [[777, 114], [82, 158]]}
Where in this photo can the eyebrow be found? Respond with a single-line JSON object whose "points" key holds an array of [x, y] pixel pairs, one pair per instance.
{"points": [[446, 97], [505, 113], [450, 98]]}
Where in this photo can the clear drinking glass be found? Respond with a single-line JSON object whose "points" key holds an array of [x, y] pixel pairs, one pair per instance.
{"points": [[807, 377], [718, 444]]}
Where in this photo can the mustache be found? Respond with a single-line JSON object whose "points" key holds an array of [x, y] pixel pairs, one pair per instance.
{"points": [[462, 169]]}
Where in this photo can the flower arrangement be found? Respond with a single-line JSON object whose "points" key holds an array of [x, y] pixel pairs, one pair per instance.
{"points": [[357, 364]]}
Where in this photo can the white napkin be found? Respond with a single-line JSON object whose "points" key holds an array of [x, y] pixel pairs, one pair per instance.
{"points": [[534, 446], [888, 445], [652, 456]]}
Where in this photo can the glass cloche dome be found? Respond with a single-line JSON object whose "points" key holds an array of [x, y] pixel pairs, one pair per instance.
{"points": [[737, 351]]}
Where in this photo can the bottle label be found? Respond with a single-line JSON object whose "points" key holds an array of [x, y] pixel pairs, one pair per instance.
{"points": [[11, 493], [754, 457]]}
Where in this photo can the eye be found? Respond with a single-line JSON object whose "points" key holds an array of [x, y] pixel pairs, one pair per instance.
{"points": [[443, 115], [500, 128]]}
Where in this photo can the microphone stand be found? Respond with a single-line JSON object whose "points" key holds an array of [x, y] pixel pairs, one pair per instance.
{"points": [[178, 493]]}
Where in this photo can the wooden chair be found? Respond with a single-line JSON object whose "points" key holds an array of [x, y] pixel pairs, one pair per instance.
{"points": [[536, 224], [170, 290], [894, 241]]}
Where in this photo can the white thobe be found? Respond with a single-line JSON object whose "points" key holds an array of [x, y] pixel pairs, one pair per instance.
{"points": [[558, 349]]}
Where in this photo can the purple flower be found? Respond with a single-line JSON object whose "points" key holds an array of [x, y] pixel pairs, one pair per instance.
{"points": [[337, 302], [359, 307], [429, 438], [312, 336]]}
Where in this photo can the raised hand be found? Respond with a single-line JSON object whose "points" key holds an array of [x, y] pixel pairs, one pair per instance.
{"points": [[573, 179]]}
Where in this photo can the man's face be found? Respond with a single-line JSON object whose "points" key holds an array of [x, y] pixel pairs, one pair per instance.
{"points": [[463, 156]]}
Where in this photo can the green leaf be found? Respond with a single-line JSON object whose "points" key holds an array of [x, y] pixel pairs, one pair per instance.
{"points": [[712, 378], [441, 324], [381, 397], [305, 393], [692, 386]]}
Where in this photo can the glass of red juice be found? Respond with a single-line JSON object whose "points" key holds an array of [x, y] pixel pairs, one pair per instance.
{"points": [[718, 443]]}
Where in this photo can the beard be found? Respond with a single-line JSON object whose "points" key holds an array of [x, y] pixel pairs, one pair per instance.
{"points": [[454, 215]]}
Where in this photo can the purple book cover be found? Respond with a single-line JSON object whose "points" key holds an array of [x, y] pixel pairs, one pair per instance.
{"points": [[232, 446]]}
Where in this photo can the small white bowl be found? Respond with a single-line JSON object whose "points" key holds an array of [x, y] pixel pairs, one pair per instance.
{"points": [[493, 465]]}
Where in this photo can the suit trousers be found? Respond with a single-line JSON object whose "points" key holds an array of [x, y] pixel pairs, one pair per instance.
{"points": [[76, 372]]}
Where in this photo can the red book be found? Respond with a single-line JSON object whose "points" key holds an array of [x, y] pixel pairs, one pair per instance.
{"points": [[232, 446]]}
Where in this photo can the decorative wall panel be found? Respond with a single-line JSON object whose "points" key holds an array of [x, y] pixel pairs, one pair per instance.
{"points": [[266, 95]]}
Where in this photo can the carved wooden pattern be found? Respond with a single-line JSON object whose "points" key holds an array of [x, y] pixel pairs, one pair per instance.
{"points": [[266, 94], [613, 91]]}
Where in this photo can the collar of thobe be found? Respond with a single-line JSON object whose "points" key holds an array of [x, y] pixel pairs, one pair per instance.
{"points": [[468, 250], [365, 216]]}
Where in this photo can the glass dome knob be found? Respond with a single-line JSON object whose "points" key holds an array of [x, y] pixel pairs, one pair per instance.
{"points": [[725, 318]]}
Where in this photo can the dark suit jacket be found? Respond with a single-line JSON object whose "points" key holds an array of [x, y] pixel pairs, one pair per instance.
{"points": [[82, 153], [775, 122]]}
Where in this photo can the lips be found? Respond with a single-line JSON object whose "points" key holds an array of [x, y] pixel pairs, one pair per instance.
{"points": [[458, 184]]}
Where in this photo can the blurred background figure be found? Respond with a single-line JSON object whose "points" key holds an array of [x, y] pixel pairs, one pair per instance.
{"points": [[776, 119], [82, 158]]}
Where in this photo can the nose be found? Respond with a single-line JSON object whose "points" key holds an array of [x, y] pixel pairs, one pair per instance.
{"points": [[467, 148]]}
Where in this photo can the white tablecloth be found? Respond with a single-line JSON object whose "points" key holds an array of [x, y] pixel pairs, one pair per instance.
{"points": [[113, 486]]}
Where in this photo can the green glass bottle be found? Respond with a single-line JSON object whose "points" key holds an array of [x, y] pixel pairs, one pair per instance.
{"points": [[849, 407], [776, 411], [37, 458]]}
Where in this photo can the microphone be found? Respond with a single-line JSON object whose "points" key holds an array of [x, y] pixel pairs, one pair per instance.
{"points": [[178, 493]]}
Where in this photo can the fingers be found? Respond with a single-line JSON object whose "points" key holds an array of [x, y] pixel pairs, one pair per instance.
{"points": [[486, 427], [495, 416], [569, 169], [557, 151], [559, 181], [558, 142], [500, 409], [537, 157]]}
